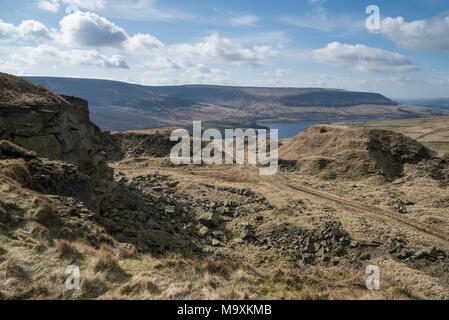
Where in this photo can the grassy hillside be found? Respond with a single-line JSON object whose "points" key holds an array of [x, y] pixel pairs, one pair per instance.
{"points": [[432, 132], [122, 106]]}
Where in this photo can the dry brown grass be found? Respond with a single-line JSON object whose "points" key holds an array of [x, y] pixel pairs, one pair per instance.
{"points": [[227, 294], [17, 170], [44, 212], [140, 285], [67, 250], [38, 230], [403, 292], [92, 286], [107, 262], [432, 131], [17, 91], [41, 246], [3, 215], [14, 268], [176, 291], [11, 150], [128, 252], [219, 266]]}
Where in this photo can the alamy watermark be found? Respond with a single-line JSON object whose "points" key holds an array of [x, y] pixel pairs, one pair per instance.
{"points": [[373, 280], [373, 21], [228, 150], [73, 280]]}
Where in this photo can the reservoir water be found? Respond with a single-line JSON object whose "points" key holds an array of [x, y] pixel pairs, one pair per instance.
{"points": [[290, 129]]}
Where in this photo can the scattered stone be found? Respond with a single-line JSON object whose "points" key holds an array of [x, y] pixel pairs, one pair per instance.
{"points": [[365, 257], [170, 210], [308, 258], [400, 207], [203, 231], [210, 219]]}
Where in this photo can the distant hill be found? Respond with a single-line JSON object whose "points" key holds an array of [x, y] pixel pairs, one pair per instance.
{"points": [[441, 103], [124, 106]]}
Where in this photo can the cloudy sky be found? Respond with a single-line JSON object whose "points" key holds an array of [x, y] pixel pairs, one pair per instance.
{"points": [[300, 43]]}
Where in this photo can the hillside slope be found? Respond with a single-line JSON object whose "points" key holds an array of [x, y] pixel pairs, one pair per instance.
{"points": [[123, 106], [332, 151], [433, 132], [202, 232]]}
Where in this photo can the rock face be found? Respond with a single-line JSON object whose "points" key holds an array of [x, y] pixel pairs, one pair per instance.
{"points": [[68, 161], [55, 127], [45, 176], [140, 143]]}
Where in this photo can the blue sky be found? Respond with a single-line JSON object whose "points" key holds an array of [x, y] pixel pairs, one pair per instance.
{"points": [[309, 43]]}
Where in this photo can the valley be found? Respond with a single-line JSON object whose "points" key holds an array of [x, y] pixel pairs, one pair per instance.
{"points": [[139, 227], [119, 106]]}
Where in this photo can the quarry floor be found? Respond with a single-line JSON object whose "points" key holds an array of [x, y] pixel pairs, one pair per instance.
{"points": [[367, 210]]}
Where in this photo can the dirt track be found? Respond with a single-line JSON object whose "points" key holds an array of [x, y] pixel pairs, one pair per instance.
{"points": [[283, 183], [435, 232]]}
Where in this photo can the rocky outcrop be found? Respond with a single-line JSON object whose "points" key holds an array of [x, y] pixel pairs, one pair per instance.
{"points": [[55, 127], [68, 161], [140, 143]]}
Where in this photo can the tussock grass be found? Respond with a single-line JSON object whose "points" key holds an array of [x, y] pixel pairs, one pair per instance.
{"points": [[67, 250], [3, 215], [14, 268], [107, 262], [41, 246], [140, 285], [16, 170], [128, 253], [38, 230], [92, 286], [44, 212], [219, 266], [227, 294]]}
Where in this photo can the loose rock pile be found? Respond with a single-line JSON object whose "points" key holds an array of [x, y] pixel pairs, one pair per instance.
{"points": [[326, 245]]}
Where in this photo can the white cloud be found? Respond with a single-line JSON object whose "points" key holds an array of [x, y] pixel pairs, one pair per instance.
{"points": [[30, 29], [321, 21], [87, 4], [246, 20], [8, 31], [90, 30], [53, 5], [217, 49], [430, 34], [363, 58], [143, 10], [48, 5], [74, 57], [191, 74], [87, 39], [141, 42], [275, 78], [407, 80], [317, 17], [201, 73], [278, 73], [164, 63]]}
